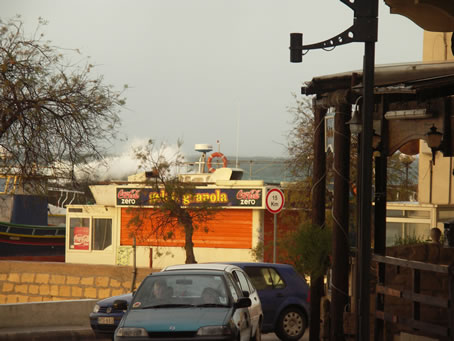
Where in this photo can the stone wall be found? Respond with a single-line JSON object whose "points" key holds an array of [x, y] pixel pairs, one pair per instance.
{"points": [[22, 282]]}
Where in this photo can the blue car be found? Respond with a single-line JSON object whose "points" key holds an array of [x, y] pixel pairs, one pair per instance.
{"points": [[284, 295], [106, 315], [187, 305]]}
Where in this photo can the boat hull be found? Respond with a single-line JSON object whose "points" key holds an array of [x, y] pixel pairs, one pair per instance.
{"points": [[29, 242]]}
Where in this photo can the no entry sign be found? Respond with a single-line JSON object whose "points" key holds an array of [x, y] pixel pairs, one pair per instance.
{"points": [[274, 200]]}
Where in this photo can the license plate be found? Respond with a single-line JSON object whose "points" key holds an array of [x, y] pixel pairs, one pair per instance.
{"points": [[105, 320]]}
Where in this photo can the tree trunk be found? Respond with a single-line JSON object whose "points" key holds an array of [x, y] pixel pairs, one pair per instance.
{"points": [[188, 245]]}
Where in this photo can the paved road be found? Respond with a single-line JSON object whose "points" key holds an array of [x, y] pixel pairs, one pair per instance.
{"points": [[273, 337], [265, 337], [83, 333]]}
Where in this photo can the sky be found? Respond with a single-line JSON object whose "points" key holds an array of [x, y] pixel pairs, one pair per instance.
{"points": [[204, 71]]}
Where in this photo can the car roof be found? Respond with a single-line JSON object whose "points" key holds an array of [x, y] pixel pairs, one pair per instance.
{"points": [[201, 266], [261, 264], [172, 272]]}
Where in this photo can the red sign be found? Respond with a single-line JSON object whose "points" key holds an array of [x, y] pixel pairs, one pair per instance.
{"points": [[81, 238], [274, 200]]}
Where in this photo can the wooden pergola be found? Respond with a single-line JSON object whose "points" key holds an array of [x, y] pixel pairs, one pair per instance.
{"points": [[409, 101]]}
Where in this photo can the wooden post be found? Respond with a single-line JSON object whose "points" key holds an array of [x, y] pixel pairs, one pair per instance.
{"points": [[340, 240], [318, 211], [381, 164]]}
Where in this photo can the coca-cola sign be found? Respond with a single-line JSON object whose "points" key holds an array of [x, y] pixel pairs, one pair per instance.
{"points": [[223, 197], [81, 238]]}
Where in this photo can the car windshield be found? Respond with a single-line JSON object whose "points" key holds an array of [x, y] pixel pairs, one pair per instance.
{"points": [[168, 291]]}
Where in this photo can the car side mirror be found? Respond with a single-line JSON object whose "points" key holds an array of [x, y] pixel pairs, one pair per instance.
{"points": [[120, 305], [243, 302], [245, 293]]}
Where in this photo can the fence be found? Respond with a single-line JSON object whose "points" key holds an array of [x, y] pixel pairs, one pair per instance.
{"points": [[424, 299]]}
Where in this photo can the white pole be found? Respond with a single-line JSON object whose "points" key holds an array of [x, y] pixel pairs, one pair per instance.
{"points": [[237, 134], [274, 238]]}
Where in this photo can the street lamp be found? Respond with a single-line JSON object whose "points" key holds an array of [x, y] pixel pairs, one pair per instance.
{"points": [[356, 123], [364, 29], [434, 141]]}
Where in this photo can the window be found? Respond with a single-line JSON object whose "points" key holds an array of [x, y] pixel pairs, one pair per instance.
{"points": [[276, 279], [242, 281], [84, 235], [396, 232], [265, 278], [102, 233], [232, 288]]}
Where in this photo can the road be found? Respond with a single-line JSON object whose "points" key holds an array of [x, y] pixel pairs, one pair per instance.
{"points": [[82, 333], [265, 337], [273, 337]]}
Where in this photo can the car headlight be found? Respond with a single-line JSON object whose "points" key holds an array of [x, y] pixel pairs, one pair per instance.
{"points": [[214, 330], [131, 332], [96, 308]]}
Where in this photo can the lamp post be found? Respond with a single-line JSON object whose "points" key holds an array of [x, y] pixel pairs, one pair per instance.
{"points": [[364, 29], [434, 138]]}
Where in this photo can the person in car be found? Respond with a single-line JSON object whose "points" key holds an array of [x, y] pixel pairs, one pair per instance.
{"points": [[210, 296], [161, 291]]}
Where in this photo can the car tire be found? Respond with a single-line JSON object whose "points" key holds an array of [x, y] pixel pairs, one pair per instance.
{"points": [[291, 324]]}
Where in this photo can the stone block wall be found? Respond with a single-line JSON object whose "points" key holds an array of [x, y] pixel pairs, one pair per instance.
{"points": [[22, 282]]}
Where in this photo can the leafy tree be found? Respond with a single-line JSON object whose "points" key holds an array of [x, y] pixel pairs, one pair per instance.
{"points": [[170, 215], [54, 114], [308, 248]]}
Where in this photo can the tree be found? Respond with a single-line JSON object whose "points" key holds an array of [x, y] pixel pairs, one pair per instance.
{"points": [[54, 114], [174, 210], [309, 248]]}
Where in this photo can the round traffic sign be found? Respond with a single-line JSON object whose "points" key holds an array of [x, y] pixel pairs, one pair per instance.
{"points": [[274, 200]]}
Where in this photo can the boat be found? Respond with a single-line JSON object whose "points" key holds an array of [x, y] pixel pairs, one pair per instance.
{"points": [[31, 229], [32, 242]]}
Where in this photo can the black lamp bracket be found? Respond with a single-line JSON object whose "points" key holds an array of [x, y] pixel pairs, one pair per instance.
{"points": [[364, 29]]}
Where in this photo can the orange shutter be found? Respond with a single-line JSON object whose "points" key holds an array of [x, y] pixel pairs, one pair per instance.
{"points": [[227, 229]]}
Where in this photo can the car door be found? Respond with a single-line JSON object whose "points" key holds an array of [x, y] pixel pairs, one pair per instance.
{"points": [[245, 285], [271, 289], [241, 316]]}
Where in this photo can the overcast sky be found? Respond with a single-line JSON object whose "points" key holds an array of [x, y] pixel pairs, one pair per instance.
{"points": [[208, 70]]}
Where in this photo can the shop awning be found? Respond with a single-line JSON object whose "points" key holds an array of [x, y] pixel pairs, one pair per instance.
{"points": [[431, 15]]}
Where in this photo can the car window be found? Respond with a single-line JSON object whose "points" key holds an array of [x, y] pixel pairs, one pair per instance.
{"points": [[265, 278], [232, 288], [250, 285], [278, 282], [242, 281], [179, 289]]}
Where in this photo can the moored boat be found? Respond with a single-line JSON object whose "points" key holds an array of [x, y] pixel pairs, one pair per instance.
{"points": [[32, 242]]}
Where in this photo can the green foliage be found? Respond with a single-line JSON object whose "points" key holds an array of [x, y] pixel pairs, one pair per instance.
{"points": [[309, 248], [408, 239]]}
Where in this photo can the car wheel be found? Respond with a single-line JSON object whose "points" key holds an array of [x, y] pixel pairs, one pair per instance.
{"points": [[291, 324]]}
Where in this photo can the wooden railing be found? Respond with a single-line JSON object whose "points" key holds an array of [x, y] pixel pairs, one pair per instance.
{"points": [[413, 294]]}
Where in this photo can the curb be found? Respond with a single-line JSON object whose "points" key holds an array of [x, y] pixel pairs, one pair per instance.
{"points": [[49, 334]]}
